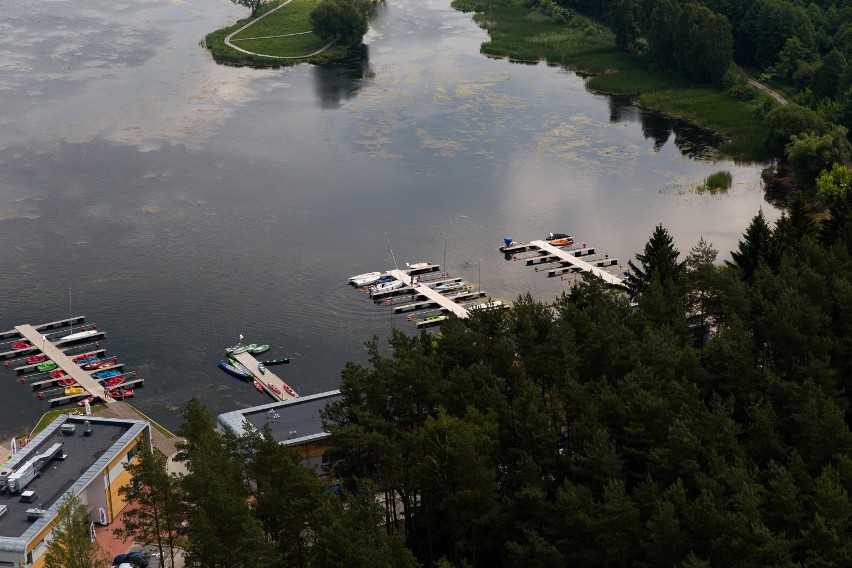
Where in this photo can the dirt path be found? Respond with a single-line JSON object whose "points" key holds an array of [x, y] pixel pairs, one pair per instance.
{"points": [[772, 93]]}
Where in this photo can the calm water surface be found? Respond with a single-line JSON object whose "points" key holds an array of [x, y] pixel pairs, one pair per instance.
{"points": [[184, 203]]}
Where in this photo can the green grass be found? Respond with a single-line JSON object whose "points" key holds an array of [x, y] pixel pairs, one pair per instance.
{"points": [[716, 111], [51, 415], [717, 182], [293, 18]]}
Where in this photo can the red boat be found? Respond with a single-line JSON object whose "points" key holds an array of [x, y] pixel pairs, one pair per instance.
{"points": [[290, 391], [105, 364], [91, 400], [57, 374], [119, 394], [258, 386], [84, 356], [66, 382], [113, 382], [92, 366], [36, 358], [273, 387], [21, 345]]}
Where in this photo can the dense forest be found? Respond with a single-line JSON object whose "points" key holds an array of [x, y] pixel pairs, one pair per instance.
{"points": [[699, 418]]}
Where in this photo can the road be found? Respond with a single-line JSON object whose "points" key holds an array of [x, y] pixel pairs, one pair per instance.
{"points": [[772, 93]]}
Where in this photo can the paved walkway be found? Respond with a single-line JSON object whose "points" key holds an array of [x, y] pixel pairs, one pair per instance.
{"points": [[253, 22]]}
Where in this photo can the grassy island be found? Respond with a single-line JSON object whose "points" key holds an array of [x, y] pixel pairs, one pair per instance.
{"points": [[524, 33], [281, 36]]}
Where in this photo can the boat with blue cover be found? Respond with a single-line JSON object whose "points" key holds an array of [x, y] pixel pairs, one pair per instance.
{"points": [[107, 374], [230, 369]]}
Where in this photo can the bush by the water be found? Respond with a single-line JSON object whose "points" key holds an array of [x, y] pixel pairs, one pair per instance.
{"points": [[343, 20], [718, 181]]}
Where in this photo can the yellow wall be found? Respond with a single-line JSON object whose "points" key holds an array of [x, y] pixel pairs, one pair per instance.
{"points": [[115, 502]]}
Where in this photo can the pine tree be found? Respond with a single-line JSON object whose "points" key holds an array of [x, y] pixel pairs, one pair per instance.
{"points": [[659, 260], [156, 507], [71, 545], [755, 247]]}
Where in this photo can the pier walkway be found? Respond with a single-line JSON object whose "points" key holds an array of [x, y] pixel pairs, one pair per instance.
{"points": [[64, 362], [422, 289], [568, 258], [266, 378]]}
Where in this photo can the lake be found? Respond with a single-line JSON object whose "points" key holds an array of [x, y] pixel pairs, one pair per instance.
{"points": [[183, 203]]}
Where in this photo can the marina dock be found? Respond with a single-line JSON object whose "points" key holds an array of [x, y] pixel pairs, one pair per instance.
{"points": [[569, 259], [265, 379], [64, 362], [436, 297]]}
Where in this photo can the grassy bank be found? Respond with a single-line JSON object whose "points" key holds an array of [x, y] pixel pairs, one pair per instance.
{"points": [[291, 19], [522, 33]]}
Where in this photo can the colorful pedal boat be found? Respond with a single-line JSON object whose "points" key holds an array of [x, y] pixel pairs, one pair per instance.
{"points": [[48, 366]]}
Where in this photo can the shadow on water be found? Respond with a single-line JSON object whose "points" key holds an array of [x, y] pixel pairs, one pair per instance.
{"points": [[340, 81], [691, 140]]}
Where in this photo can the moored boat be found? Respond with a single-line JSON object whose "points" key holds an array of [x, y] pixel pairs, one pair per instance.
{"points": [[36, 358], [230, 369], [364, 279], [107, 374], [508, 244], [274, 388], [90, 400], [75, 390], [385, 286], [449, 286], [258, 349], [48, 366], [86, 361], [21, 345], [114, 382], [121, 393], [559, 239], [66, 382], [78, 336], [92, 366], [57, 374], [417, 265], [262, 368], [290, 391], [238, 349], [258, 386], [493, 305], [240, 367], [270, 362], [78, 358]]}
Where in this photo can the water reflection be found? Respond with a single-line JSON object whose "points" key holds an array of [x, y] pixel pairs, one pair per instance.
{"points": [[691, 140], [339, 82]]}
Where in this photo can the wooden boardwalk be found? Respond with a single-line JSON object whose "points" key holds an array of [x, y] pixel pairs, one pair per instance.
{"points": [[166, 445], [266, 378], [64, 362], [442, 301], [568, 257]]}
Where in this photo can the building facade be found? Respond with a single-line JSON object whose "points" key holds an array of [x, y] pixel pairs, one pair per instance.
{"points": [[83, 456]]}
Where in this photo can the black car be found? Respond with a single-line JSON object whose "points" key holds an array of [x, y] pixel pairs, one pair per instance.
{"points": [[134, 558]]}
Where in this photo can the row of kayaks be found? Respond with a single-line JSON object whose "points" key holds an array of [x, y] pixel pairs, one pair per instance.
{"points": [[253, 348]]}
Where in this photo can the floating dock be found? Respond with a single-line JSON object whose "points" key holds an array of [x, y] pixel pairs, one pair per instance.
{"points": [[265, 379], [64, 362], [422, 289], [568, 258]]}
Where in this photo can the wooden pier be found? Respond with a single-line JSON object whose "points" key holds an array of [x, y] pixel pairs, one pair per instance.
{"points": [[14, 333], [569, 259], [422, 289], [64, 362], [264, 379]]}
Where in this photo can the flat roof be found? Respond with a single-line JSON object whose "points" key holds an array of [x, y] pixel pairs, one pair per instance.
{"points": [[85, 458], [293, 421]]}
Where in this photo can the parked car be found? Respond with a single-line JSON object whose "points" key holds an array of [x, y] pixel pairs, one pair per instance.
{"points": [[134, 559]]}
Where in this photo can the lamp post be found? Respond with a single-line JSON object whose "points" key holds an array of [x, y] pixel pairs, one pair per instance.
{"points": [[479, 285]]}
